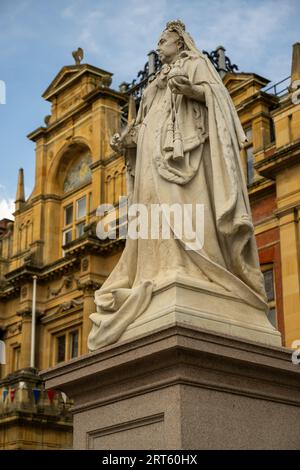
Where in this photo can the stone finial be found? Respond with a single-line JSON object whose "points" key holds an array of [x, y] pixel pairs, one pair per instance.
{"points": [[20, 195], [295, 72], [123, 87], [78, 55], [131, 109]]}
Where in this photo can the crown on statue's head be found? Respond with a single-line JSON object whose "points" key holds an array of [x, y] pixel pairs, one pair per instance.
{"points": [[175, 25]]}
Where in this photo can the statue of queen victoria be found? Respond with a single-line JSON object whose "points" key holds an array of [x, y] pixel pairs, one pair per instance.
{"points": [[188, 139]]}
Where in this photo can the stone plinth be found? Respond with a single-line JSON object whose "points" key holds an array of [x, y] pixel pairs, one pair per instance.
{"points": [[181, 387], [179, 299]]}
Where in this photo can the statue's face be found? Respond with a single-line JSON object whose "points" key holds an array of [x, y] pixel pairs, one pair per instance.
{"points": [[168, 47]]}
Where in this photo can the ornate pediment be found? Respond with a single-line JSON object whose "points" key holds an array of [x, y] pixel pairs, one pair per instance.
{"points": [[233, 81], [70, 73]]}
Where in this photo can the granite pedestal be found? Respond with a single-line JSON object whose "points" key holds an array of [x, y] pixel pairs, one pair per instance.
{"points": [[183, 387]]}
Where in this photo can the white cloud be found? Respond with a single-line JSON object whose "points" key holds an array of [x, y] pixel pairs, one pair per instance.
{"points": [[118, 35], [7, 207]]}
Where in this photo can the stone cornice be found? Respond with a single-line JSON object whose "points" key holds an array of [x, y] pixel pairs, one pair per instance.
{"points": [[172, 348], [289, 209], [260, 188], [74, 253], [281, 158], [270, 100]]}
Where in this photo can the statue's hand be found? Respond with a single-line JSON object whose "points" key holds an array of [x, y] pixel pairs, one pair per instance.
{"points": [[182, 85]]}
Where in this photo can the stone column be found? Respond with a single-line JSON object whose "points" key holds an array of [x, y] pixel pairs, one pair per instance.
{"points": [[289, 245], [26, 338]]}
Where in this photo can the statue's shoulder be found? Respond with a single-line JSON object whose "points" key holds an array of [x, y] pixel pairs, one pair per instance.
{"points": [[191, 59]]}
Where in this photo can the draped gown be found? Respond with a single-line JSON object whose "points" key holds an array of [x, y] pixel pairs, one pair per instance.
{"points": [[202, 167]]}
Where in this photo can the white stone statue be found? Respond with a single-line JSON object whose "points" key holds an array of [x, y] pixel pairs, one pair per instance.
{"points": [[188, 139]]}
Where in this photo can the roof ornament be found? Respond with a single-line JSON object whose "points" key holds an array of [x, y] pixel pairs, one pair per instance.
{"points": [[78, 55]]}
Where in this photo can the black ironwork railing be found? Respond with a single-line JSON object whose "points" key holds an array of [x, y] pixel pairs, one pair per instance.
{"points": [[278, 88], [136, 88]]}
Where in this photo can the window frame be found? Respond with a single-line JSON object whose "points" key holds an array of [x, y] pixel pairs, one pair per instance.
{"points": [[79, 221], [67, 206], [79, 218], [271, 303], [67, 334]]}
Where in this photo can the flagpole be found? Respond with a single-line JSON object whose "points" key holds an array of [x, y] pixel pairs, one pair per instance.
{"points": [[33, 323]]}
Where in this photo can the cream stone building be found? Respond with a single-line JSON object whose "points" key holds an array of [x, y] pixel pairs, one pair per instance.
{"points": [[53, 237]]}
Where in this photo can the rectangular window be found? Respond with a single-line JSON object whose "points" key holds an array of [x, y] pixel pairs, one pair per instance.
{"points": [[74, 341], [68, 214], [80, 229], [90, 203], [61, 348], [269, 284], [81, 208], [248, 132], [67, 236], [250, 166]]}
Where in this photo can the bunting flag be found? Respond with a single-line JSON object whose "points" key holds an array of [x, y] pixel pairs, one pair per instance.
{"points": [[4, 394], [50, 394], [64, 397], [36, 394], [12, 394], [22, 385]]}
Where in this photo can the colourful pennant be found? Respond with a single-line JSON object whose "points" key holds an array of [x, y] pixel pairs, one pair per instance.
{"points": [[64, 397], [12, 394], [4, 394], [36, 394], [50, 394]]}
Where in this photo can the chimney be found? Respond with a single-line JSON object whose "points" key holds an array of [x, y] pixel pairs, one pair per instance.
{"points": [[151, 62], [221, 60], [295, 72], [20, 196]]}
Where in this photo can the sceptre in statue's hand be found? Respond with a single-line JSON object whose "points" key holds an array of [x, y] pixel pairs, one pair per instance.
{"points": [[125, 142]]}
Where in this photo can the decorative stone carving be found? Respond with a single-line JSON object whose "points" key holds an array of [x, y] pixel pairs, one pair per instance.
{"points": [[87, 287], [68, 305], [85, 264], [79, 173], [47, 119], [14, 329], [106, 81], [66, 283], [78, 55], [24, 291]]}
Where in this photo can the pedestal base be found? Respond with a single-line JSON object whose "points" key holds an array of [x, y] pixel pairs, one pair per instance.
{"points": [[204, 305], [183, 388]]}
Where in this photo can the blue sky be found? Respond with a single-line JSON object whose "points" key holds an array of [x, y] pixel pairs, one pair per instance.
{"points": [[37, 37]]}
